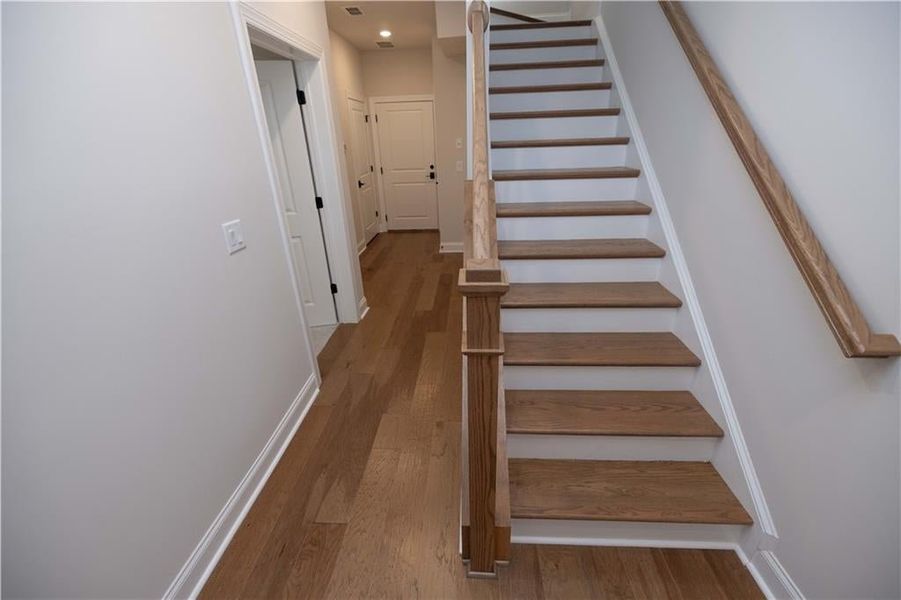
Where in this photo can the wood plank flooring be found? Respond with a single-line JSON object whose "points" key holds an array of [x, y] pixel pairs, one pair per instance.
{"points": [[365, 501]]}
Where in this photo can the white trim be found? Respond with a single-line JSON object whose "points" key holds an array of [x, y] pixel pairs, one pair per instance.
{"points": [[362, 308], [770, 576], [450, 248], [763, 518], [195, 572]]}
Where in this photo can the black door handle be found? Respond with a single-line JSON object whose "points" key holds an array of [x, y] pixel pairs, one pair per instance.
{"points": [[359, 183], [432, 175]]}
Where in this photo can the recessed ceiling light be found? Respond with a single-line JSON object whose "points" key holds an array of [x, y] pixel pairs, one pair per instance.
{"points": [[385, 33]]}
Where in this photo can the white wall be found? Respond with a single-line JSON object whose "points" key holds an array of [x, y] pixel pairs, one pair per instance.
{"points": [[346, 80], [450, 117], [820, 82], [144, 368], [397, 71]]}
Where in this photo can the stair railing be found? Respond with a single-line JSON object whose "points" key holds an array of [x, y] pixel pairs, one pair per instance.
{"points": [[485, 528], [848, 324]]}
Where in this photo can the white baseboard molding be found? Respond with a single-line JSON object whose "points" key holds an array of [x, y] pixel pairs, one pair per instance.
{"points": [[770, 576], [209, 550], [451, 247], [362, 308]]}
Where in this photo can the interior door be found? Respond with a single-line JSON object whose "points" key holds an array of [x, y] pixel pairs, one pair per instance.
{"points": [[407, 152], [361, 151], [295, 177]]}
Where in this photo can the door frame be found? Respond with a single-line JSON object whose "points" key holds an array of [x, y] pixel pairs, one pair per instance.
{"points": [[383, 205], [348, 96], [252, 26]]}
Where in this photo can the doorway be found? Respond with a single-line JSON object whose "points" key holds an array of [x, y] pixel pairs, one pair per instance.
{"points": [[362, 167], [283, 107], [405, 140]]}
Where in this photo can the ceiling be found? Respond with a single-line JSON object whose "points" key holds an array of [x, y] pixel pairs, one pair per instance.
{"points": [[411, 23]]}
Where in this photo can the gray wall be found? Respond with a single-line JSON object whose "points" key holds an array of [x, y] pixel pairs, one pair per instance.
{"points": [[820, 82], [144, 368]]}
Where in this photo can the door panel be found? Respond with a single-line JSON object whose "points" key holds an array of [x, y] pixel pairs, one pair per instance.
{"points": [[407, 149], [367, 206], [295, 178]]}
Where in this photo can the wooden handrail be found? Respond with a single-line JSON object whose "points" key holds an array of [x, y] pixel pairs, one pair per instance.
{"points": [[844, 316], [485, 527]]}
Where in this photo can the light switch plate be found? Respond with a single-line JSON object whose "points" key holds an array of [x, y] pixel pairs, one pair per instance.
{"points": [[459, 166], [234, 236]]}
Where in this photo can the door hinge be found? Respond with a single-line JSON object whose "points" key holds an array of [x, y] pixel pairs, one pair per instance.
{"points": [[366, 118], [301, 97], [370, 168], [381, 171], [334, 288], [319, 202], [376, 117], [376, 213]]}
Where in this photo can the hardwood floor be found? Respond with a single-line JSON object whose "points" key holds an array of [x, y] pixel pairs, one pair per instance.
{"points": [[365, 501]]}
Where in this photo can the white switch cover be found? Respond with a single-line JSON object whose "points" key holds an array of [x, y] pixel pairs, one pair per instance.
{"points": [[234, 236], [459, 166]]}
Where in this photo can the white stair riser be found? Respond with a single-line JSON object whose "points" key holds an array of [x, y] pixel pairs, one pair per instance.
{"points": [[549, 190], [553, 128], [495, 19], [575, 270], [569, 228], [562, 320], [559, 157], [519, 377], [497, 57], [536, 35], [546, 76], [617, 533], [549, 100], [606, 447]]}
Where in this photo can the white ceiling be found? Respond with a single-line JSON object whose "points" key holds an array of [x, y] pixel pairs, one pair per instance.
{"points": [[411, 23]]}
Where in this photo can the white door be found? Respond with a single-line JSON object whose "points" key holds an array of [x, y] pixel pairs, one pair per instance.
{"points": [[361, 155], [298, 191], [407, 152]]}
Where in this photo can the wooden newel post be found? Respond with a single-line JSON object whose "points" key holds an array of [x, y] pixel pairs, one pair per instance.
{"points": [[483, 348]]}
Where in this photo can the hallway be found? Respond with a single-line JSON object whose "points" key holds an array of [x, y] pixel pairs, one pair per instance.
{"points": [[364, 502]]}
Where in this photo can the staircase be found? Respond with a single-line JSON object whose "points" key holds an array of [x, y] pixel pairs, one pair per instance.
{"points": [[605, 435]]}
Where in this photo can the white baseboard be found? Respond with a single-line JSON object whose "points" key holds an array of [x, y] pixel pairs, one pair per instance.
{"points": [[209, 550], [362, 308], [770, 576], [451, 247]]}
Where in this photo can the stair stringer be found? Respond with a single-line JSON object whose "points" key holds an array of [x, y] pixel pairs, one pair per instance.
{"points": [[731, 456]]}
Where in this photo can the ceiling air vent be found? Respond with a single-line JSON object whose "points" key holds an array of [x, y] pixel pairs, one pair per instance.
{"points": [[384, 44], [353, 10]]}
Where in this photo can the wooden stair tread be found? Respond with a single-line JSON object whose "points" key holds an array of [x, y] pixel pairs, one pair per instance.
{"points": [[572, 209], [543, 44], [514, 15], [575, 412], [544, 25], [587, 173], [638, 294], [605, 349], [563, 249], [557, 87], [556, 114], [649, 491], [555, 64], [601, 141]]}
